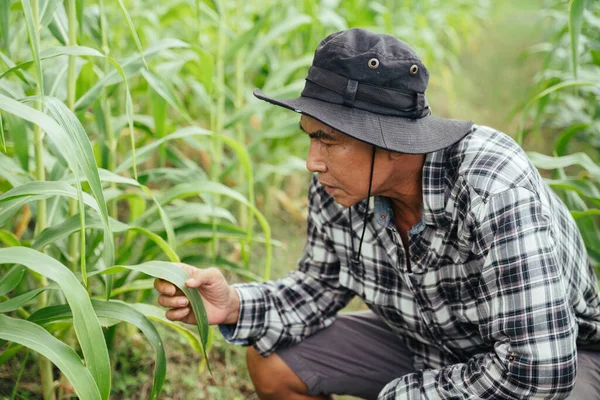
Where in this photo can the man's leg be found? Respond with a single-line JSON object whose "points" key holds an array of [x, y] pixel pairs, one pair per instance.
{"points": [[273, 379], [587, 383], [357, 355]]}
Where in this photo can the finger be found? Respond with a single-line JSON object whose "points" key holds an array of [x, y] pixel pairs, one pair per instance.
{"points": [[177, 314], [167, 288], [173, 301]]}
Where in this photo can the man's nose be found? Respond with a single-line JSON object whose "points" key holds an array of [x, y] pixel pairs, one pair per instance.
{"points": [[314, 161]]}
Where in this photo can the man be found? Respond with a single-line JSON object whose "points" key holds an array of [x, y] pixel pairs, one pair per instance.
{"points": [[475, 274]]}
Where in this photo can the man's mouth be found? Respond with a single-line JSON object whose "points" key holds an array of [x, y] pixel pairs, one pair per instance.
{"points": [[329, 189]]}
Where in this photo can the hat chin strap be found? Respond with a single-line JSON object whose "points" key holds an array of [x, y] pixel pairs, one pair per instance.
{"points": [[355, 260]]}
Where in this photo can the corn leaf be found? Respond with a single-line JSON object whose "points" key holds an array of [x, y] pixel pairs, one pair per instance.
{"points": [[47, 13], [174, 274], [73, 151], [34, 41], [20, 300], [158, 314], [133, 31], [166, 93], [11, 279], [87, 327], [116, 310], [4, 18], [548, 162], [20, 139], [38, 339], [576, 9], [129, 66], [2, 141], [71, 225]]}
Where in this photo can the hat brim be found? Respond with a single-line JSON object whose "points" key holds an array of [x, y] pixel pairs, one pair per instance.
{"points": [[412, 136]]}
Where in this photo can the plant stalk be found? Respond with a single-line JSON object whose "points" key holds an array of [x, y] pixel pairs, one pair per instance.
{"points": [[71, 86], [46, 374], [217, 119], [106, 108]]}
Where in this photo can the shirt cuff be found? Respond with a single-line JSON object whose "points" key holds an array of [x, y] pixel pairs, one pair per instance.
{"points": [[251, 317]]}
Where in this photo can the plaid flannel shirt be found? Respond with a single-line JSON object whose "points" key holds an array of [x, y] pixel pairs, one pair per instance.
{"points": [[498, 292]]}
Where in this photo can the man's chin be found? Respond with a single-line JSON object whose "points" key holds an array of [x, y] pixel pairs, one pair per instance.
{"points": [[344, 201]]}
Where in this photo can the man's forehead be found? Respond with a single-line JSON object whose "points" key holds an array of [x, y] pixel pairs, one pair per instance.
{"points": [[311, 125]]}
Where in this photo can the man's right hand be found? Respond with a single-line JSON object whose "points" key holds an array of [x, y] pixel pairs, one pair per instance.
{"points": [[221, 301]]}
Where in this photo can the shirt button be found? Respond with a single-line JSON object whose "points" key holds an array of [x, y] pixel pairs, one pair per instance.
{"points": [[415, 258], [382, 217], [511, 358]]}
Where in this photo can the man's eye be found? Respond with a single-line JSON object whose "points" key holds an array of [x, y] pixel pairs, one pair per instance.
{"points": [[326, 144]]}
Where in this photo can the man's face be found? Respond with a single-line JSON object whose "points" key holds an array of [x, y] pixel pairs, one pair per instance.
{"points": [[343, 163]]}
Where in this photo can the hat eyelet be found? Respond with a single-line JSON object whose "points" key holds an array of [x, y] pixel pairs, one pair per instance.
{"points": [[414, 69], [373, 63]]}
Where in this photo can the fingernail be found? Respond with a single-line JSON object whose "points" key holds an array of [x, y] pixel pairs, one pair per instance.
{"points": [[183, 302], [190, 282]]}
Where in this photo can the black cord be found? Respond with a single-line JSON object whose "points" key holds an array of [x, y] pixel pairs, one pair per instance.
{"points": [[356, 256]]}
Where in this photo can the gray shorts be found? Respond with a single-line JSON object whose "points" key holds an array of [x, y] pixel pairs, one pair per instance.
{"points": [[358, 355]]}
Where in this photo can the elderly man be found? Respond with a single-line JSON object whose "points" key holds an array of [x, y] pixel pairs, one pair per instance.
{"points": [[475, 275]]}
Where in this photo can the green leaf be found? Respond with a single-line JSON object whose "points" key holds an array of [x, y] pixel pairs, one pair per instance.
{"points": [[4, 18], [86, 164], [548, 162], [9, 238], [2, 141], [11, 351], [176, 275], [58, 25], [576, 8], [38, 339], [201, 260], [34, 41], [194, 189], [87, 327], [75, 149], [20, 139], [587, 213], [581, 186], [561, 86], [276, 33], [36, 190], [71, 225], [138, 284], [120, 311], [562, 143], [133, 31], [19, 301], [11, 279], [129, 66], [245, 38], [158, 314], [166, 93], [48, 9]]}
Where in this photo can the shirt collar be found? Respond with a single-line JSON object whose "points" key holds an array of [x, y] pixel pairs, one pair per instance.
{"points": [[434, 189]]}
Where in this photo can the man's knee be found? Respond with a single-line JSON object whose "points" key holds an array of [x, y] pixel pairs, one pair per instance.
{"points": [[272, 377]]}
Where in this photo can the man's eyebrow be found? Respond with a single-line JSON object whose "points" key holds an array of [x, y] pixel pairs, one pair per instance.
{"points": [[320, 134]]}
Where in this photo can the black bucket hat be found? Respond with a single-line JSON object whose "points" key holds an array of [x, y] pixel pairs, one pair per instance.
{"points": [[371, 87]]}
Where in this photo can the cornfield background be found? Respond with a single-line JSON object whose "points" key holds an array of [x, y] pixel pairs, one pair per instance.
{"points": [[130, 140]]}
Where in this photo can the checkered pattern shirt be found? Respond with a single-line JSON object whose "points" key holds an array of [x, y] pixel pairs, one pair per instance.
{"points": [[496, 296]]}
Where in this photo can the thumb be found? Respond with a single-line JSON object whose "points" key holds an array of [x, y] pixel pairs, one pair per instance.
{"points": [[200, 277]]}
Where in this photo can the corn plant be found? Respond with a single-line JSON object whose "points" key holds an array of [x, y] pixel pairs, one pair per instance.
{"points": [[98, 193], [568, 105], [127, 147]]}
